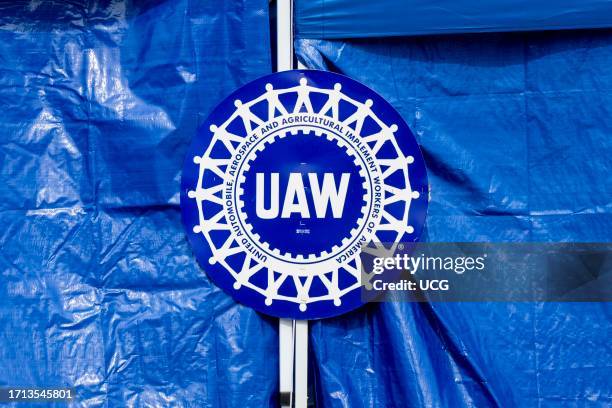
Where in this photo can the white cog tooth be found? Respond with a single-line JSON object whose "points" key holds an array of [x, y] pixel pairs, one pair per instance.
{"points": [[293, 131], [329, 137], [312, 257], [318, 132], [300, 257]]}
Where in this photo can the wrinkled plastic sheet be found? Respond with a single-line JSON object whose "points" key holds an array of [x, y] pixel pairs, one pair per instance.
{"points": [[515, 131], [98, 287], [335, 19]]}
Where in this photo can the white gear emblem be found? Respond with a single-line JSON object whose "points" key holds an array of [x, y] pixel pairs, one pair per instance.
{"points": [[266, 119]]}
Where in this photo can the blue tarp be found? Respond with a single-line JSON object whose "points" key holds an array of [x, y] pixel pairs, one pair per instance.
{"points": [[516, 133], [334, 19], [98, 286], [99, 289]]}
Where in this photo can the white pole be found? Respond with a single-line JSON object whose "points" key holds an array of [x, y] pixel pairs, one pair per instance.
{"points": [[301, 354], [285, 358], [301, 363], [284, 35], [293, 335]]}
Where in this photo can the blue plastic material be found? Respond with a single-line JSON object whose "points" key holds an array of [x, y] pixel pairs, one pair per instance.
{"points": [[333, 19], [98, 287], [515, 130]]}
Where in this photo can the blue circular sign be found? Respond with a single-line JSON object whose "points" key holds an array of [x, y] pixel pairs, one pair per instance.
{"points": [[289, 179]]}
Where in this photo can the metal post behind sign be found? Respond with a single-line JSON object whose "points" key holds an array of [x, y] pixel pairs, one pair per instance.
{"points": [[301, 363], [293, 334], [293, 358]]}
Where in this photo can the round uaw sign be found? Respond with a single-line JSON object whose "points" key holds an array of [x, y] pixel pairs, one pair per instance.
{"points": [[288, 179]]}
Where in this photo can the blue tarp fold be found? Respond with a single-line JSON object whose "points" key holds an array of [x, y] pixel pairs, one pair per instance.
{"points": [[337, 19], [515, 130]]}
